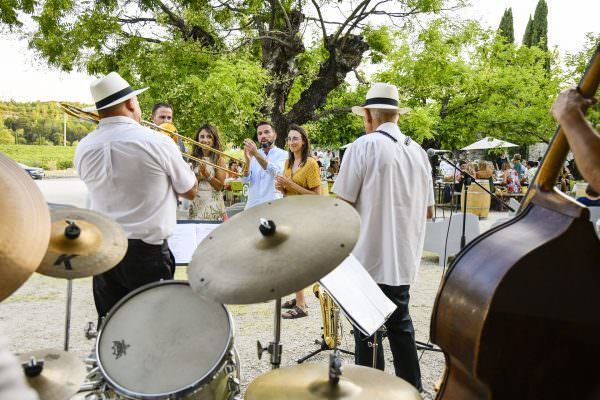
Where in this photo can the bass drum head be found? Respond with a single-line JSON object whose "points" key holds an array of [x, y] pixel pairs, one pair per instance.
{"points": [[163, 339]]}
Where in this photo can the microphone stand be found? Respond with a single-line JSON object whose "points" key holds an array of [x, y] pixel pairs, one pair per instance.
{"points": [[467, 179]]}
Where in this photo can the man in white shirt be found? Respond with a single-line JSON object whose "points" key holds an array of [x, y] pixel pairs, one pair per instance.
{"points": [[263, 165], [387, 177], [134, 176]]}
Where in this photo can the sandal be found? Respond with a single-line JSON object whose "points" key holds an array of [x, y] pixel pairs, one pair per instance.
{"points": [[289, 304], [294, 313]]}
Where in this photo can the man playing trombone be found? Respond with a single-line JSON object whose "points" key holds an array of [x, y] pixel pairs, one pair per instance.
{"points": [[134, 177]]}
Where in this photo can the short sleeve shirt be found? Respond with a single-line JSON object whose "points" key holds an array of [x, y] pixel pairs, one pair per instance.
{"points": [[133, 175], [308, 176], [390, 184], [262, 181]]}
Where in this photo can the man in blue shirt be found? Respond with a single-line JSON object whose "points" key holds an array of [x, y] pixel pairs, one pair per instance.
{"points": [[263, 165]]}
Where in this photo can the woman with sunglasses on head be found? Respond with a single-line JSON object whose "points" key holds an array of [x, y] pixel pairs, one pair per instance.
{"points": [[301, 175], [208, 204]]}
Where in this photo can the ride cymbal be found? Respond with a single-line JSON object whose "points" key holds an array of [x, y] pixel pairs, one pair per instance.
{"points": [[310, 382], [248, 260], [61, 375], [24, 226], [82, 243]]}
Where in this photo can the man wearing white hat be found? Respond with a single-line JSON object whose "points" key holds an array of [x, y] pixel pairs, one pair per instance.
{"points": [[387, 177], [133, 176]]}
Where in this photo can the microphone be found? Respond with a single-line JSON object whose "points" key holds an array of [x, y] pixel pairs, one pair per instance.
{"points": [[433, 152]]}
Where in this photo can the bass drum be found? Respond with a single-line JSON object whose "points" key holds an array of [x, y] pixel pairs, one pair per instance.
{"points": [[162, 341]]}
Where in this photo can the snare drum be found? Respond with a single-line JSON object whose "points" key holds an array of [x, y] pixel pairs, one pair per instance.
{"points": [[163, 341]]}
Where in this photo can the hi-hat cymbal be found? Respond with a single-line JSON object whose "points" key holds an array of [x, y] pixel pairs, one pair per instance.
{"points": [[237, 264], [310, 381], [82, 243], [24, 226], [61, 375]]}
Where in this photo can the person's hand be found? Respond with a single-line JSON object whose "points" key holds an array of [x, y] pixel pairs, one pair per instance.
{"points": [[202, 171], [250, 147], [570, 102], [283, 181]]}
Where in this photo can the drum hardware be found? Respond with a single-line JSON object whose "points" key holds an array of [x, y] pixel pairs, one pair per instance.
{"points": [[275, 348], [270, 262], [90, 330], [68, 314], [53, 374], [330, 314], [25, 227]]}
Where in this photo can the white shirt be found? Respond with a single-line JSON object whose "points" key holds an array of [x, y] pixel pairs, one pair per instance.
{"points": [[391, 187], [133, 174], [262, 181]]}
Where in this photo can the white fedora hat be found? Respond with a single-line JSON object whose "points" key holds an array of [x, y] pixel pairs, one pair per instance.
{"points": [[381, 96], [111, 90]]}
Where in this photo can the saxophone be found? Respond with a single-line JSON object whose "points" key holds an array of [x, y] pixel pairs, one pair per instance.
{"points": [[330, 313]]}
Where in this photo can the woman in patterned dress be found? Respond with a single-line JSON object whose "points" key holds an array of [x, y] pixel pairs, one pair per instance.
{"points": [[208, 204], [301, 175]]}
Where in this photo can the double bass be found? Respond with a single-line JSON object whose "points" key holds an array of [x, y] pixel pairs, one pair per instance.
{"points": [[518, 313]]}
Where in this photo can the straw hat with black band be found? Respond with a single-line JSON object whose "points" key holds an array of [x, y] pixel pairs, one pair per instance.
{"points": [[111, 90], [381, 96]]}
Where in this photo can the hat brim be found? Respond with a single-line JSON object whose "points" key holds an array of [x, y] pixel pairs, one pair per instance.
{"points": [[360, 110], [118, 101]]}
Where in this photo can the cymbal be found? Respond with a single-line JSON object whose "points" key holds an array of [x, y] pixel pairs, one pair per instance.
{"points": [[310, 381], [24, 226], [82, 243], [237, 264], [61, 376]]}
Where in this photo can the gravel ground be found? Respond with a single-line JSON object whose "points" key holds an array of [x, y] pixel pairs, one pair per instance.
{"points": [[33, 317]]}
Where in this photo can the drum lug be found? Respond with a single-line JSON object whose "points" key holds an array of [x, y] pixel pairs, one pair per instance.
{"points": [[233, 385], [90, 331]]}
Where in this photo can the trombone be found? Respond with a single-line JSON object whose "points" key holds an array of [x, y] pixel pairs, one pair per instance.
{"points": [[95, 118]]}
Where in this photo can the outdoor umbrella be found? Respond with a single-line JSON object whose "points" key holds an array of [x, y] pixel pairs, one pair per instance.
{"points": [[489, 143]]}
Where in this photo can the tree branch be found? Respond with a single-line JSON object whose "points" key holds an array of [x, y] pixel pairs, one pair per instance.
{"points": [[136, 20], [175, 19], [285, 16], [145, 39], [320, 19], [356, 12], [335, 110]]}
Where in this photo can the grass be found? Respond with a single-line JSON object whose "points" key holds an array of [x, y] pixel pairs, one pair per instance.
{"points": [[47, 157]]}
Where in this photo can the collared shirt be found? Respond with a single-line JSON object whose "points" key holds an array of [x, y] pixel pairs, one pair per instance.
{"points": [[391, 187], [133, 175], [262, 181]]}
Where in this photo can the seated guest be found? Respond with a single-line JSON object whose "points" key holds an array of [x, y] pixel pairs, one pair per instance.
{"points": [[233, 166], [333, 169], [532, 168], [485, 170], [510, 178], [591, 198]]}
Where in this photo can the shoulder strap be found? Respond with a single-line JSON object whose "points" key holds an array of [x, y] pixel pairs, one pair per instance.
{"points": [[388, 135]]}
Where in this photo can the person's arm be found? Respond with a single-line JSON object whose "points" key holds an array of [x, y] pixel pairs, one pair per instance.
{"points": [[183, 179], [190, 194], [429, 212], [584, 141], [286, 183]]}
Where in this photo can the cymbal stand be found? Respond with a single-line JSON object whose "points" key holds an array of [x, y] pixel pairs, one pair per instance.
{"points": [[68, 313], [275, 348]]}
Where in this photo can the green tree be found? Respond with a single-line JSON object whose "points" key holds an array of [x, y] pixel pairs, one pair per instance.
{"points": [[528, 35], [506, 28], [184, 51], [539, 30]]}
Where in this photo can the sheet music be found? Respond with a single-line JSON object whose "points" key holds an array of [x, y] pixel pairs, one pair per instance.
{"points": [[186, 238], [359, 297]]}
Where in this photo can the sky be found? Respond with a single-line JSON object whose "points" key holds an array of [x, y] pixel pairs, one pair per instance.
{"points": [[25, 78]]}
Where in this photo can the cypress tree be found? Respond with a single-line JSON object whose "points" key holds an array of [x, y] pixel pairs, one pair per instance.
{"points": [[539, 31], [527, 36], [506, 28]]}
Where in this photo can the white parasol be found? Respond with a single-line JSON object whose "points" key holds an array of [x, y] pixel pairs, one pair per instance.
{"points": [[489, 143]]}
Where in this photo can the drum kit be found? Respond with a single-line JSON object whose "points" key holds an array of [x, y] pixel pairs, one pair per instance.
{"points": [[175, 339]]}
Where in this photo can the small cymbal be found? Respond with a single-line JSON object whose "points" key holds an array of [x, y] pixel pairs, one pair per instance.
{"points": [[237, 264], [82, 243], [310, 381], [61, 376], [24, 226]]}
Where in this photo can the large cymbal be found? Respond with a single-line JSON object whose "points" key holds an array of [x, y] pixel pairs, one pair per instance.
{"points": [[310, 382], [24, 226], [237, 264], [82, 243], [61, 376]]}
